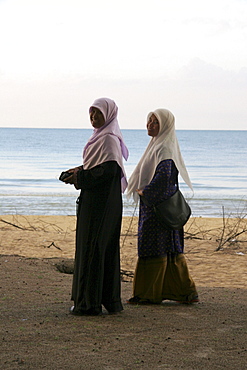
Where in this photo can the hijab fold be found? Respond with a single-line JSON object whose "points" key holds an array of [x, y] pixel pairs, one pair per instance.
{"points": [[163, 146], [106, 143]]}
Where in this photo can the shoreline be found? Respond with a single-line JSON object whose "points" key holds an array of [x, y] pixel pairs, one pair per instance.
{"points": [[50, 205]]}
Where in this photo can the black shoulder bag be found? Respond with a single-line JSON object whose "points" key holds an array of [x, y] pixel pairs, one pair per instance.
{"points": [[172, 213]]}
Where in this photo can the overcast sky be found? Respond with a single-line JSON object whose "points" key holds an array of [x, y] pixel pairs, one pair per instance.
{"points": [[58, 56]]}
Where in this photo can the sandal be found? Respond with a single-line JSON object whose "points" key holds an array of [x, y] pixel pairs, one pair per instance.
{"points": [[89, 312], [133, 300], [192, 300], [137, 300]]}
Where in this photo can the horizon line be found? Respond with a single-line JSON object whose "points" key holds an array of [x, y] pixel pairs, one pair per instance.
{"points": [[130, 129]]}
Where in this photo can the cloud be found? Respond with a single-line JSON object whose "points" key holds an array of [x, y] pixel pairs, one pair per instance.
{"points": [[201, 95], [57, 56], [131, 38]]}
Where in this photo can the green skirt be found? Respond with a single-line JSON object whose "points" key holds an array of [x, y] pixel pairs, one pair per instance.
{"points": [[160, 278]]}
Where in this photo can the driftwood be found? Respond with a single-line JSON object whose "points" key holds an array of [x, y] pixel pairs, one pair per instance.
{"points": [[67, 267], [52, 245], [229, 233], [11, 224]]}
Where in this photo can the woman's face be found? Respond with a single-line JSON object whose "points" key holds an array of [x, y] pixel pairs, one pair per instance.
{"points": [[96, 118], [153, 126]]}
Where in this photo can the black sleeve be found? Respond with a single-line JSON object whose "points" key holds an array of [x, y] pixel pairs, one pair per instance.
{"points": [[98, 175]]}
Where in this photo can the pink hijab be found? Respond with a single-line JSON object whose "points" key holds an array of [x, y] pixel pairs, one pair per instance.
{"points": [[106, 144]]}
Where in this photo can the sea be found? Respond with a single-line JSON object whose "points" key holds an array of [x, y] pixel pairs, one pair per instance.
{"points": [[31, 160]]}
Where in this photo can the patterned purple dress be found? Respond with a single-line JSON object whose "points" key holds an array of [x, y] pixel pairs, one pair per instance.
{"points": [[153, 239]]}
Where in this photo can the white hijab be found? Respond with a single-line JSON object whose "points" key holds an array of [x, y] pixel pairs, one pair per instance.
{"points": [[163, 146], [106, 144]]}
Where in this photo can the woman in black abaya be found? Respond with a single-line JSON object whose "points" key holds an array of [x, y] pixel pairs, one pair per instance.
{"points": [[96, 279]]}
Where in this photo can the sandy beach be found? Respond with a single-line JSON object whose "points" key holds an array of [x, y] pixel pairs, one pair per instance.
{"points": [[54, 237], [38, 331]]}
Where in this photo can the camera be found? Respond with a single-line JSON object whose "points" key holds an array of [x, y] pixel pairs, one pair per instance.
{"points": [[64, 175]]}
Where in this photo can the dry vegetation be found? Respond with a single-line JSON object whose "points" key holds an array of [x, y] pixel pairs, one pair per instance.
{"points": [[53, 236]]}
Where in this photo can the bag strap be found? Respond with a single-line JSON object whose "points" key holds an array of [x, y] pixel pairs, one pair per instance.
{"points": [[145, 201]]}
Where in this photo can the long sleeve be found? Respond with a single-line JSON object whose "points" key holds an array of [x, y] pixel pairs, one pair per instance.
{"points": [[163, 184], [96, 176]]}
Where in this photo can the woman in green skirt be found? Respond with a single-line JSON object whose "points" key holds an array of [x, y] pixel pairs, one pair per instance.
{"points": [[161, 271]]}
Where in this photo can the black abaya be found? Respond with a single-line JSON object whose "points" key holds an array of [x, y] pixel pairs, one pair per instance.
{"points": [[96, 279]]}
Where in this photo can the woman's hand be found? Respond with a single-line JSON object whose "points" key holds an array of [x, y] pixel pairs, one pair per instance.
{"points": [[73, 178], [139, 191], [69, 179]]}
